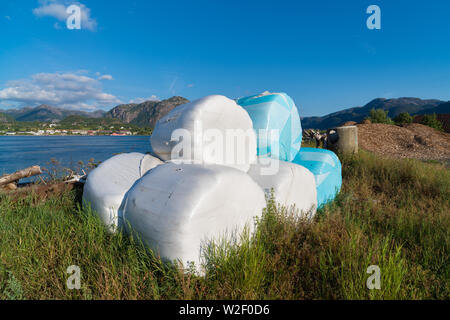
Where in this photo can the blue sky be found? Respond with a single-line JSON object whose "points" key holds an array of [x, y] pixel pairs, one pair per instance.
{"points": [[319, 52]]}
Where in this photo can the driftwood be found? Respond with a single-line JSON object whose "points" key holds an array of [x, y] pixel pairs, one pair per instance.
{"points": [[16, 176], [75, 178], [42, 192], [10, 186], [325, 139]]}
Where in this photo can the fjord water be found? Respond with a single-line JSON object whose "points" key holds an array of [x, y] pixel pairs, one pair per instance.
{"points": [[19, 152]]}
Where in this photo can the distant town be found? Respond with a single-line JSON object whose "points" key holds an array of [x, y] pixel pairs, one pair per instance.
{"points": [[72, 126], [53, 131]]}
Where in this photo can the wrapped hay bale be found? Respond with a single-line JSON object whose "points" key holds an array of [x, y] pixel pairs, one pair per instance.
{"points": [[107, 184], [212, 130], [327, 170], [292, 184], [271, 113], [175, 209]]}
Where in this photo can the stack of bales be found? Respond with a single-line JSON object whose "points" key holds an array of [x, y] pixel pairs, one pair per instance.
{"points": [[272, 112], [211, 168]]}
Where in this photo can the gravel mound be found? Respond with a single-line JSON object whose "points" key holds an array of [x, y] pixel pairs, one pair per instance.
{"points": [[408, 141]]}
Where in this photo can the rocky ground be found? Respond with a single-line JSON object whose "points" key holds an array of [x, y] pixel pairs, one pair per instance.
{"points": [[408, 141]]}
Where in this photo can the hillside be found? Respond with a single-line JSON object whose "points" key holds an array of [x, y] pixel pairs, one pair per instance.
{"points": [[88, 122], [146, 113], [393, 106], [443, 108], [46, 113], [4, 118]]}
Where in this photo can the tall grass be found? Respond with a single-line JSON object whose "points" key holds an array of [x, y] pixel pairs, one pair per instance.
{"points": [[390, 213]]}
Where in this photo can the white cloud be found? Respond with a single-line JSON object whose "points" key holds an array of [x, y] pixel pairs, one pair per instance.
{"points": [[105, 77], [66, 90], [57, 9], [140, 100]]}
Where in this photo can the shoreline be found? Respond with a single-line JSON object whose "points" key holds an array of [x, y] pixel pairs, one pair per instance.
{"points": [[71, 135]]}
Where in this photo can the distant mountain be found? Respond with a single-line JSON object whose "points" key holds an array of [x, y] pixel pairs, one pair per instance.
{"points": [[443, 108], [145, 114], [393, 106], [47, 113], [15, 113], [4, 118]]}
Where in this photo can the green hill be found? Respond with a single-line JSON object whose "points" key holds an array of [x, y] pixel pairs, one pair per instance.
{"points": [[77, 122], [5, 118], [393, 106]]}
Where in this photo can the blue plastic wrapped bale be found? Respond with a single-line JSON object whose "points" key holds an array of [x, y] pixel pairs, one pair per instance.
{"points": [[274, 111], [327, 170]]}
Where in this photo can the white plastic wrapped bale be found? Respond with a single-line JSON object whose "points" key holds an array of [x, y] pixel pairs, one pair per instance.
{"points": [[211, 130], [294, 186], [176, 209], [277, 124], [107, 184]]}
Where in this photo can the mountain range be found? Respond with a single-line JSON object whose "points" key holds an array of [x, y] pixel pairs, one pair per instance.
{"points": [[147, 113], [144, 114], [413, 106], [46, 113]]}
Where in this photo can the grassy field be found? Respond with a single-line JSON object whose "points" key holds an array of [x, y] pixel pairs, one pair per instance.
{"points": [[390, 213]]}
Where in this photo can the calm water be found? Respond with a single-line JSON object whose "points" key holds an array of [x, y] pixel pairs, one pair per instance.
{"points": [[23, 151]]}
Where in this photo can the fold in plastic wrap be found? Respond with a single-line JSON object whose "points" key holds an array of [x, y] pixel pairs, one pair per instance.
{"points": [[177, 208], [107, 184], [277, 124], [293, 186]]}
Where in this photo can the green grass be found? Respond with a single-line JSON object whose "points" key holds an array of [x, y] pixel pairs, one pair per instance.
{"points": [[390, 213]]}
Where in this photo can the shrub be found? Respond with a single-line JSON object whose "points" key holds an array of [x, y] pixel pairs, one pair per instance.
{"points": [[403, 117], [432, 121], [379, 116]]}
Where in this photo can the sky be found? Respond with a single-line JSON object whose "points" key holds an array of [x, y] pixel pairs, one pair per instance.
{"points": [[321, 53]]}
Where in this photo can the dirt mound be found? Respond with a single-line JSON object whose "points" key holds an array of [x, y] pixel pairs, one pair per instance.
{"points": [[409, 141], [443, 118]]}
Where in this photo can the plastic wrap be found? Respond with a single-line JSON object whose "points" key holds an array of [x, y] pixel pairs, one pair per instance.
{"points": [[292, 184], [327, 169], [177, 208], [107, 184], [212, 130], [274, 111]]}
